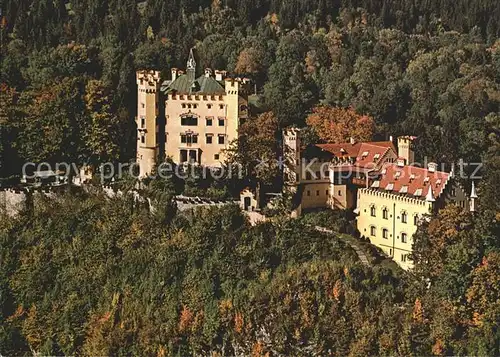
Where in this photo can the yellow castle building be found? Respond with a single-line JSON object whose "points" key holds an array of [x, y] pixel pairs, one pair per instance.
{"points": [[381, 184], [188, 118]]}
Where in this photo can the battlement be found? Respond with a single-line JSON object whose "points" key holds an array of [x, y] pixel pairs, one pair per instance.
{"points": [[392, 196], [291, 133], [148, 78], [236, 82]]}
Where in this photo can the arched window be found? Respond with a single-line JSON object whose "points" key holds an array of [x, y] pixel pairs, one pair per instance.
{"points": [[373, 231], [373, 211], [404, 217], [415, 220], [385, 213], [385, 233]]}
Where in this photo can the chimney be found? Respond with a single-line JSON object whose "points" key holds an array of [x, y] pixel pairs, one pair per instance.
{"points": [[208, 72], [352, 140], [220, 75], [401, 162], [174, 74], [391, 139], [432, 166]]}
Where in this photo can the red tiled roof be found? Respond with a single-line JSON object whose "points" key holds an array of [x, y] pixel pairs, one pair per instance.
{"points": [[356, 150], [414, 178]]}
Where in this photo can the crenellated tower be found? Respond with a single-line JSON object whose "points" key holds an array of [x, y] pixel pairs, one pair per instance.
{"points": [[148, 95], [291, 157]]}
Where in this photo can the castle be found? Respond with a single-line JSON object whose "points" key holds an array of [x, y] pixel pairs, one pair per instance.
{"points": [[188, 118], [380, 183]]}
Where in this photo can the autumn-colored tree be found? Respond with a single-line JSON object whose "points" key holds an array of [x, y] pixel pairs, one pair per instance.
{"points": [[484, 291], [434, 240], [337, 125], [250, 61], [257, 147], [102, 134]]}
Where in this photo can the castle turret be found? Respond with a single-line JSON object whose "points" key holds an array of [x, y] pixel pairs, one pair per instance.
{"points": [[291, 156], [473, 197], [191, 67], [405, 149], [148, 86]]}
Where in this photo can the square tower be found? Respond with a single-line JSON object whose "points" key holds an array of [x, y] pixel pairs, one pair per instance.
{"points": [[148, 90]]}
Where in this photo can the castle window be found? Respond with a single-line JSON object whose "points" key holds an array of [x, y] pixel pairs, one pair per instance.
{"points": [[385, 213], [196, 97], [404, 217], [404, 238], [209, 106], [195, 106], [189, 139], [216, 156], [209, 121], [189, 121], [183, 105], [204, 97], [222, 139], [308, 193], [340, 193], [143, 122], [221, 97], [385, 233], [372, 211], [189, 105], [221, 121], [373, 231], [221, 106], [143, 139], [143, 105], [317, 193], [209, 138], [403, 258], [415, 220]]}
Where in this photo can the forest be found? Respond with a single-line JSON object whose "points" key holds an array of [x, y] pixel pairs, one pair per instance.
{"points": [[85, 275]]}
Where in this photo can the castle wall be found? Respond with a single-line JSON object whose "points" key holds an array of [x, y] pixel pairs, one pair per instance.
{"points": [[392, 244], [315, 195], [208, 110]]}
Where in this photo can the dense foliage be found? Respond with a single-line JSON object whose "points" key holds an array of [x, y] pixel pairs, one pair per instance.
{"points": [[83, 274], [416, 67], [90, 276]]}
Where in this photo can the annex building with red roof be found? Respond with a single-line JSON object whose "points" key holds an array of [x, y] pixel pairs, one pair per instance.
{"points": [[381, 183]]}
